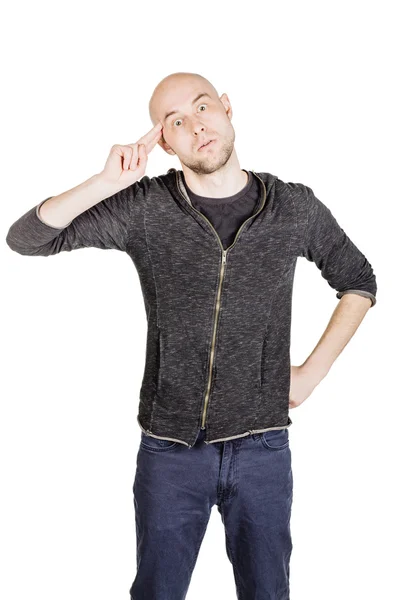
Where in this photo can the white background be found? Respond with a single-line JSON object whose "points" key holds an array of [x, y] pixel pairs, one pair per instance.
{"points": [[313, 87]]}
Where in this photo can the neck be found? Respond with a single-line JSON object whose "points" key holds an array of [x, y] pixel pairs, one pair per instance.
{"points": [[226, 181]]}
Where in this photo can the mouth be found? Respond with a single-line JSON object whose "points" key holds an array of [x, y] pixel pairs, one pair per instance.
{"points": [[208, 145]]}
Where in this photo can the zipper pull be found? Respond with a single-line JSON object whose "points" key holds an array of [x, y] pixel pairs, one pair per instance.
{"points": [[224, 257]]}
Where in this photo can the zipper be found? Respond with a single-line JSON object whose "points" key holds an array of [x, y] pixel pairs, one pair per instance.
{"points": [[221, 278]]}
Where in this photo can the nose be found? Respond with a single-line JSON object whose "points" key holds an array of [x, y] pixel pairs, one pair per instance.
{"points": [[198, 127]]}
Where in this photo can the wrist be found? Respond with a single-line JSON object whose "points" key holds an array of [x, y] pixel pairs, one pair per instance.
{"points": [[101, 182], [315, 369]]}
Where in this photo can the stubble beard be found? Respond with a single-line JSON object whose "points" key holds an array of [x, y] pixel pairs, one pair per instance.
{"points": [[212, 162]]}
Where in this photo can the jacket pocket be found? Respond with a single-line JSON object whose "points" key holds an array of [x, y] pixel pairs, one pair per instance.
{"points": [[159, 361], [152, 367], [262, 360]]}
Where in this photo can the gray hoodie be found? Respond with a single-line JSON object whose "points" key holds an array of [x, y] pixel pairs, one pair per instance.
{"points": [[219, 320]]}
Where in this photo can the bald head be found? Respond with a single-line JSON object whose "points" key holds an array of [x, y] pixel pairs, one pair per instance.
{"points": [[190, 111], [176, 82]]}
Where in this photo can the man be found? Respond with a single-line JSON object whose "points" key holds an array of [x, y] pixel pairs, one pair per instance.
{"points": [[215, 247]]}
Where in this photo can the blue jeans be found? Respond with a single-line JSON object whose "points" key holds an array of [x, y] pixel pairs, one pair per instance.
{"points": [[248, 478]]}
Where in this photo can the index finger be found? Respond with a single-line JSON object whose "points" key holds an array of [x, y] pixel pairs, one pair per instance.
{"points": [[148, 137]]}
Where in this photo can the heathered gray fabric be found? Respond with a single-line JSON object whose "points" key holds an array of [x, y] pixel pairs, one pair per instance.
{"points": [[177, 254]]}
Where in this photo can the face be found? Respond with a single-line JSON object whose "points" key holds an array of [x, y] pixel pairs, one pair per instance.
{"points": [[196, 120]]}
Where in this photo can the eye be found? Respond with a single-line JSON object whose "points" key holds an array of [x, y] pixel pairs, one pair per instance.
{"points": [[181, 119]]}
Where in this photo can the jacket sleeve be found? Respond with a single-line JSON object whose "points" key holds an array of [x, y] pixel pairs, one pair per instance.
{"points": [[341, 263], [105, 225]]}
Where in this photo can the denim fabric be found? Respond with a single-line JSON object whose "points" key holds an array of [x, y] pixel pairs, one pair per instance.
{"points": [[249, 479]]}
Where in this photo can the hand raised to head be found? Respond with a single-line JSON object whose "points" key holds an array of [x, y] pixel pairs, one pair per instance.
{"points": [[126, 164]]}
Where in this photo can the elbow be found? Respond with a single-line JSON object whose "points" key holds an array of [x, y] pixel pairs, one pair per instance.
{"points": [[363, 285], [18, 247], [13, 244], [363, 292]]}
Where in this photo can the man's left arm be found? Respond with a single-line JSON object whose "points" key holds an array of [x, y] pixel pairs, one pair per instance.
{"points": [[343, 324], [348, 271]]}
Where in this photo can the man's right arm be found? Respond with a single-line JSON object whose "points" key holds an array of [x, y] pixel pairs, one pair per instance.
{"points": [[92, 214], [96, 213], [59, 211]]}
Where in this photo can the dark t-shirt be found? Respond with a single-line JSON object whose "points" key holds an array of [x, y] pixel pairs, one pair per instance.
{"points": [[227, 214]]}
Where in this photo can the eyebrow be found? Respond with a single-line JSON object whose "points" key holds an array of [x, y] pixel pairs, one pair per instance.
{"points": [[193, 102]]}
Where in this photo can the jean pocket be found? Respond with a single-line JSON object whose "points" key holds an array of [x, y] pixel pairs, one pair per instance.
{"points": [[275, 439], [151, 443]]}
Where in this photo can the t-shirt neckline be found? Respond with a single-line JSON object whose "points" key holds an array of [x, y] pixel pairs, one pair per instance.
{"points": [[225, 199]]}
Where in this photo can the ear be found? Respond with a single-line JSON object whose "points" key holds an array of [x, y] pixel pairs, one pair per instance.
{"points": [[227, 105], [166, 147]]}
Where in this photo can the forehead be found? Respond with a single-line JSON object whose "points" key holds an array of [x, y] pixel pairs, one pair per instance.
{"points": [[179, 99]]}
